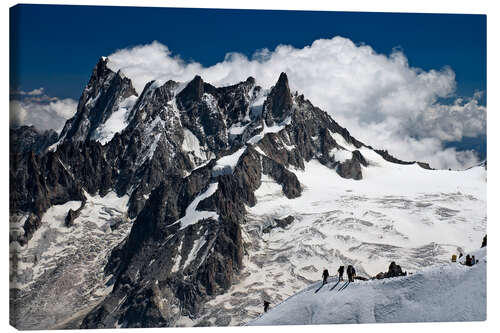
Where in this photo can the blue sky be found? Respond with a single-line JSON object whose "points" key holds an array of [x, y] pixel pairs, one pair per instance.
{"points": [[55, 47]]}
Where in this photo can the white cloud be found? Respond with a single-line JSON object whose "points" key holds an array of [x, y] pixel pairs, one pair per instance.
{"points": [[34, 92], [42, 111], [380, 99]]}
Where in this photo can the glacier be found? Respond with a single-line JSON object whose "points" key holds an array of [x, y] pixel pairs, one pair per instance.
{"points": [[403, 213], [448, 292]]}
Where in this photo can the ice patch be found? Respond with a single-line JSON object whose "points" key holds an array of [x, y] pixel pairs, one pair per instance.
{"points": [[198, 244], [256, 105], [91, 101], [211, 102], [341, 141], [116, 123], [341, 155], [237, 129], [192, 215], [272, 129], [268, 190], [226, 164], [192, 144]]}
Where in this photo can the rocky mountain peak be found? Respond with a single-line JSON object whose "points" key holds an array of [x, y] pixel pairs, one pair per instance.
{"points": [[103, 95], [250, 80], [279, 102], [193, 91]]}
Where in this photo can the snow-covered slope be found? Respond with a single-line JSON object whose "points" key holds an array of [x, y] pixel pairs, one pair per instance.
{"points": [[60, 272], [401, 213], [449, 292]]}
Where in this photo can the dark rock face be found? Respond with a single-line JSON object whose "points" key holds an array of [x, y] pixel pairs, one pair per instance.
{"points": [[352, 167], [283, 223], [288, 180], [38, 182], [279, 223], [25, 139], [105, 90], [279, 103], [388, 157], [72, 215], [186, 244]]}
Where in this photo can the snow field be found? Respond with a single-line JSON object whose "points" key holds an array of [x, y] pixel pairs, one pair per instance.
{"points": [[450, 292], [67, 261], [401, 213]]}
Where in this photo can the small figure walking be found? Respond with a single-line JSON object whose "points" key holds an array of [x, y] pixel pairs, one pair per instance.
{"points": [[341, 273], [266, 306], [454, 258], [325, 275], [351, 273]]}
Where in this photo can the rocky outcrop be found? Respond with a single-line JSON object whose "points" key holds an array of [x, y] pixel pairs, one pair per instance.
{"points": [[352, 168], [23, 139], [70, 218], [287, 179], [279, 103], [279, 223], [101, 97], [73, 214], [388, 157], [393, 271], [38, 182]]}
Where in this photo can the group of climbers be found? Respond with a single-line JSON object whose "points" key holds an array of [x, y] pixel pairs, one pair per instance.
{"points": [[351, 274], [394, 271], [469, 260]]}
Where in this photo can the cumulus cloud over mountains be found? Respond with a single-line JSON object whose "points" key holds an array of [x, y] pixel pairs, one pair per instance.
{"points": [[42, 111], [380, 98]]}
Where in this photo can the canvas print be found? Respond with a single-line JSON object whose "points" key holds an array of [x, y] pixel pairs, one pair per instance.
{"points": [[210, 167]]}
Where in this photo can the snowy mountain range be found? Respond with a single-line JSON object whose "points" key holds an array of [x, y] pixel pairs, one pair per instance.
{"points": [[187, 204]]}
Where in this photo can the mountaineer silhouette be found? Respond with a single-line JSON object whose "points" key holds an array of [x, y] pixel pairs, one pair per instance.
{"points": [[325, 275], [341, 273], [351, 273], [266, 305]]}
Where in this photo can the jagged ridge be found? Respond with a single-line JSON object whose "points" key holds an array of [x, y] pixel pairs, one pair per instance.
{"points": [[165, 157]]}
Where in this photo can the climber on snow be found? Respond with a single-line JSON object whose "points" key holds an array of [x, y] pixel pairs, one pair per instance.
{"points": [[325, 275], [341, 273], [266, 306], [351, 273], [468, 261]]}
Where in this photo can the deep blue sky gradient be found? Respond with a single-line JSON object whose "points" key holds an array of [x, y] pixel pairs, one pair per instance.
{"points": [[56, 47]]}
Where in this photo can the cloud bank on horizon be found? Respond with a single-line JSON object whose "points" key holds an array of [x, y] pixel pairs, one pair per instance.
{"points": [[35, 108], [381, 99]]}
